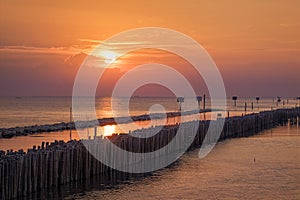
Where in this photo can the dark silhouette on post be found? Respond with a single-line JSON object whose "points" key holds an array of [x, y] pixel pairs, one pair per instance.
{"points": [[234, 98], [257, 99], [278, 100], [180, 100], [199, 99]]}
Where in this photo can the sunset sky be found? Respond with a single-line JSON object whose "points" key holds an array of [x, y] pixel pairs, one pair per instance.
{"points": [[255, 44]]}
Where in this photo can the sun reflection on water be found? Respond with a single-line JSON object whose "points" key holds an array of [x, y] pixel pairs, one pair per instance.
{"points": [[108, 130]]}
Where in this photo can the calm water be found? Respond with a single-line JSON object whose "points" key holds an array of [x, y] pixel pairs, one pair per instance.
{"points": [[266, 166], [48, 110]]}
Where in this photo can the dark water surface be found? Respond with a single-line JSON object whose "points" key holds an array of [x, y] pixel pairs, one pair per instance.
{"points": [[266, 166]]}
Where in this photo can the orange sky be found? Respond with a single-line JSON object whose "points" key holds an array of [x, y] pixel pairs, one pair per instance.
{"points": [[255, 44]]}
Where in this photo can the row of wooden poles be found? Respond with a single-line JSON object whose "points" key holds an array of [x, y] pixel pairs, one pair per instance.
{"points": [[52, 165]]}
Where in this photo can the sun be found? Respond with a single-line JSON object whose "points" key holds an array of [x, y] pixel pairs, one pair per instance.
{"points": [[109, 56]]}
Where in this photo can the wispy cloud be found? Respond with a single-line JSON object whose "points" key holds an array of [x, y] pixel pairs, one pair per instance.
{"points": [[93, 41], [90, 40], [39, 50]]}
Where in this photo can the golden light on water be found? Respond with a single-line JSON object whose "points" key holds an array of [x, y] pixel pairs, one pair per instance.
{"points": [[108, 130]]}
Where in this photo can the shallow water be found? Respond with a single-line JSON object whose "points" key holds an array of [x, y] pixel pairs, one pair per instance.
{"points": [[28, 141], [266, 166]]}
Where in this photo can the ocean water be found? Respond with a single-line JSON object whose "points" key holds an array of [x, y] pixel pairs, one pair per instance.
{"points": [[27, 111], [265, 166], [48, 110]]}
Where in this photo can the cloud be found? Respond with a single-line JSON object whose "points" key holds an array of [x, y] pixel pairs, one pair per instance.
{"points": [[39, 50], [84, 45], [93, 41], [90, 40]]}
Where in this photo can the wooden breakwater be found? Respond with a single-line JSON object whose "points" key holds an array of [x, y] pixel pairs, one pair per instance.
{"points": [[19, 131], [54, 164]]}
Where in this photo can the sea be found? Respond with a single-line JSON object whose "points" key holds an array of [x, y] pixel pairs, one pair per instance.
{"points": [[264, 166], [27, 111]]}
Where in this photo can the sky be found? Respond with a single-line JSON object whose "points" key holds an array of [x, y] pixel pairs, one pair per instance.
{"points": [[255, 44]]}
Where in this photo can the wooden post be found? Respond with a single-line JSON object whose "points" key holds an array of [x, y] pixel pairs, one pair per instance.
{"points": [[95, 132], [70, 123], [204, 102]]}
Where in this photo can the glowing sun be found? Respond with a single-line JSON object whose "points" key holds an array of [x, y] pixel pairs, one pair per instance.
{"points": [[109, 56]]}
